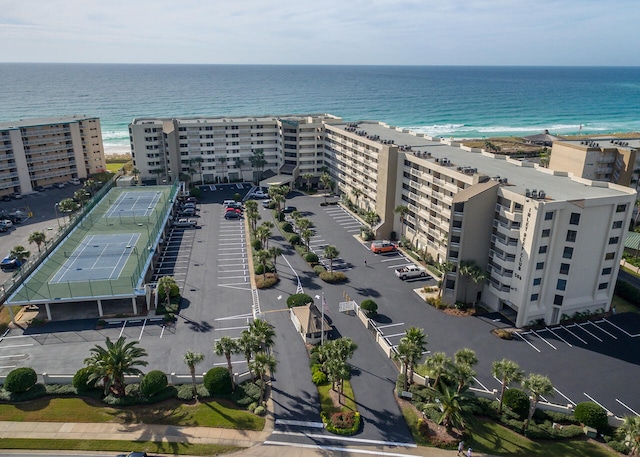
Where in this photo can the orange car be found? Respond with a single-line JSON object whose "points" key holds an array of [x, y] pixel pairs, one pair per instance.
{"points": [[378, 247]]}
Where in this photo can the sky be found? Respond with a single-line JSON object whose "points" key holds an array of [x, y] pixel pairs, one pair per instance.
{"points": [[360, 32]]}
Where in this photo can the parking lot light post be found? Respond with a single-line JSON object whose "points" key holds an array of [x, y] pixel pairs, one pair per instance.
{"points": [[55, 206]]}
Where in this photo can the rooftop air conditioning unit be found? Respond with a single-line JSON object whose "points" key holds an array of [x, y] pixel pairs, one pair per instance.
{"points": [[534, 193], [527, 193], [542, 194]]}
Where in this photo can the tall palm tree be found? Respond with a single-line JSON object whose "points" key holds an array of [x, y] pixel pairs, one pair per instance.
{"points": [[402, 211], [371, 218], [356, 192], [330, 252], [455, 406], [327, 184], [261, 365], [629, 432], [466, 271], [508, 372], [263, 233], [227, 346], [445, 268], [263, 333], [165, 284], [38, 238], [258, 162], [478, 276], [306, 236], [307, 177], [438, 365], [111, 363], [274, 253], [263, 257], [538, 386], [192, 359], [466, 356], [20, 253], [410, 350], [463, 374], [249, 345]]}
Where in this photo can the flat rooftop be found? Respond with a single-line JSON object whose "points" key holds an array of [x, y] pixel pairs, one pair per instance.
{"points": [[44, 121], [108, 252]]}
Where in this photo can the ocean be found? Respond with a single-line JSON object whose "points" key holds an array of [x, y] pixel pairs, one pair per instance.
{"points": [[460, 102]]}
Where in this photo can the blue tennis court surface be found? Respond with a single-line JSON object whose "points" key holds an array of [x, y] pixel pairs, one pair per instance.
{"points": [[134, 204], [97, 257]]}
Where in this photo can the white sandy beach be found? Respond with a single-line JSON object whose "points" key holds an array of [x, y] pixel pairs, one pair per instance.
{"points": [[111, 149]]}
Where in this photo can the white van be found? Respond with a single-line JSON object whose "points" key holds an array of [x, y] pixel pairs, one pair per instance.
{"points": [[75, 181], [228, 202]]}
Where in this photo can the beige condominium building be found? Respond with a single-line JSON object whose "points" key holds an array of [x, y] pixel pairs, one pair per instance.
{"points": [[43, 152], [548, 242]]}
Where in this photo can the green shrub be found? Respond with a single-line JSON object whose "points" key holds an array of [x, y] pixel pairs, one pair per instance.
{"points": [[319, 378], [184, 392], [81, 380], [369, 307], [259, 269], [627, 291], [342, 423], [591, 415], [252, 406], [153, 382], [319, 269], [249, 392], [618, 446], [174, 292], [333, 277], [260, 411], [256, 245], [217, 381], [287, 227], [400, 383], [20, 380], [295, 239], [298, 300], [311, 257], [518, 401]]}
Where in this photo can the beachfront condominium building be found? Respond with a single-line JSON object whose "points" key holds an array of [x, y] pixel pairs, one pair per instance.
{"points": [[531, 242], [43, 152], [600, 159]]}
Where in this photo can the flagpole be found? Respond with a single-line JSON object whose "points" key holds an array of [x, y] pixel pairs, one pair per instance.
{"points": [[322, 324]]}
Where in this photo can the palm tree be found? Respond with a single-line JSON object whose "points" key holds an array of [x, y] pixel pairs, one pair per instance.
{"points": [[508, 372], [263, 233], [629, 432], [371, 218], [253, 216], [402, 211], [356, 192], [330, 252], [192, 358], [409, 351], [263, 332], [454, 406], [466, 356], [477, 276], [258, 162], [20, 253], [463, 374], [81, 196], [38, 238], [261, 364], [238, 162], [438, 365], [135, 172], [303, 224], [327, 184], [306, 236], [445, 268], [68, 205], [307, 177], [263, 257], [227, 346], [111, 363], [466, 271], [166, 284], [249, 345], [274, 253], [538, 386]]}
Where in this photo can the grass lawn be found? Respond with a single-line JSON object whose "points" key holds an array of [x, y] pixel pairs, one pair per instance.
{"points": [[114, 167], [170, 412], [151, 447], [348, 399], [623, 306]]}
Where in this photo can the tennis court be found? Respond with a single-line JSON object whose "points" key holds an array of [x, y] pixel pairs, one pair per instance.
{"points": [[134, 204], [97, 257]]}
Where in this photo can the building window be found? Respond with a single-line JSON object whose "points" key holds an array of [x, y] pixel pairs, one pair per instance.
{"points": [[617, 224], [558, 299], [571, 235], [542, 250], [562, 284], [546, 233], [568, 252], [614, 240], [548, 216], [606, 271], [621, 208], [537, 281], [534, 297], [564, 268], [609, 255], [539, 265], [603, 285], [574, 219]]}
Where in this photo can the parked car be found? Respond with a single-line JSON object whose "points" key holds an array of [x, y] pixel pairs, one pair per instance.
{"points": [[232, 215], [60, 185], [188, 212], [17, 196], [237, 206], [258, 194], [6, 198], [75, 181], [191, 200], [6, 223], [9, 263], [183, 223], [39, 189], [289, 209], [228, 202], [133, 454], [266, 203], [188, 205], [378, 247], [410, 272]]}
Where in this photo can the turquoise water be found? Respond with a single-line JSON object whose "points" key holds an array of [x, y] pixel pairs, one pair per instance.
{"points": [[447, 101]]}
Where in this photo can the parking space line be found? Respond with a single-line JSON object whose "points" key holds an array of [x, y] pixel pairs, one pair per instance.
{"points": [[627, 407], [536, 334], [480, 384], [394, 335], [7, 366], [621, 329], [390, 325], [235, 285], [144, 324], [585, 330], [559, 337], [16, 346], [565, 397], [526, 341], [593, 400], [239, 316], [603, 330], [400, 265], [244, 327], [567, 329], [230, 277]]}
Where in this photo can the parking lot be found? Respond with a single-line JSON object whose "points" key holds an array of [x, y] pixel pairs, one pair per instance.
{"points": [[595, 361]]}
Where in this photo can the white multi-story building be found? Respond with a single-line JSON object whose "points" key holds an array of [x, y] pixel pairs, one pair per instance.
{"points": [[42, 152], [548, 242]]}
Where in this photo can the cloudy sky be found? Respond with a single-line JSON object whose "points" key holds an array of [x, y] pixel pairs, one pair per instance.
{"points": [[389, 32]]}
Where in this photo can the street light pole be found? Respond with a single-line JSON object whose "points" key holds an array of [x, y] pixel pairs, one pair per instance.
{"points": [[55, 206]]}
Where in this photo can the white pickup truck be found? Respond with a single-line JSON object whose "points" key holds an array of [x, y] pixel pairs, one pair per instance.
{"points": [[409, 272]]}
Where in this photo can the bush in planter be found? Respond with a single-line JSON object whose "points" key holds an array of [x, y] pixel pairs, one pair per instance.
{"points": [[256, 245], [286, 227], [174, 292], [369, 307], [81, 380], [591, 415], [517, 401], [311, 257], [295, 239], [20, 380], [153, 382], [298, 300], [259, 269], [217, 381], [367, 235], [319, 269], [333, 277]]}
